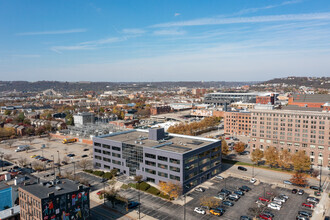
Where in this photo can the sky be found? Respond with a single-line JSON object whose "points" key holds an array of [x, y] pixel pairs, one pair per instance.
{"points": [[163, 40]]}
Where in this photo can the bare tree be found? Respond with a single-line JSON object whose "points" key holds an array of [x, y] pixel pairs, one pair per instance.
{"points": [[37, 165], [30, 140], [10, 143], [22, 161], [49, 137], [111, 195], [84, 164], [66, 150], [7, 156]]}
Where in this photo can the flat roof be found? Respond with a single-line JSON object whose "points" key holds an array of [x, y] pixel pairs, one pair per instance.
{"points": [[174, 143], [42, 190]]}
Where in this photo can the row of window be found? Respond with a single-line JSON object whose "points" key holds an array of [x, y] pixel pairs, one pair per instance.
{"points": [[107, 146], [162, 174], [291, 116], [107, 160], [162, 158]]}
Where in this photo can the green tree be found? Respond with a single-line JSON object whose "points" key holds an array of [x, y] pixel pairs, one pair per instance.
{"points": [[20, 118], [271, 156], [301, 161], [111, 195], [7, 112], [257, 155], [69, 119]]}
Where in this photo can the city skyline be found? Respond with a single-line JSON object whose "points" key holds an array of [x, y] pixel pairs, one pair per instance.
{"points": [[163, 41]]}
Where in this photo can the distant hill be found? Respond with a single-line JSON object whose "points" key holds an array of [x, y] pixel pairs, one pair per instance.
{"points": [[25, 86], [316, 82]]}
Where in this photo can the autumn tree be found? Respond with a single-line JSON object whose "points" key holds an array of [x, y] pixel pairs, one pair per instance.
{"points": [[271, 156], [224, 147], [284, 159], [210, 202], [7, 156], [301, 161], [22, 161], [10, 143], [257, 155], [174, 190], [299, 179], [239, 147]]}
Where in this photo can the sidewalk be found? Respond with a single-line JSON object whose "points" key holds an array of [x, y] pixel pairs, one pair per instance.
{"points": [[322, 209]]}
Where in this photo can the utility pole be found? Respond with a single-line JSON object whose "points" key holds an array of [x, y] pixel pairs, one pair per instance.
{"points": [[320, 178], [53, 167], [184, 207], [1, 154], [253, 171], [59, 163], [74, 170], [139, 202]]}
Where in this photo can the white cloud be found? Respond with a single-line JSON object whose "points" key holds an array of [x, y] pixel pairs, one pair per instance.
{"points": [[87, 45], [255, 19], [169, 32], [26, 55], [253, 10], [133, 31], [176, 14], [53, 32]]}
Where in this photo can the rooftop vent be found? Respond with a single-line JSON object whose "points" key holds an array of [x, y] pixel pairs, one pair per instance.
{"points": [[156, 134], [58, 188]]}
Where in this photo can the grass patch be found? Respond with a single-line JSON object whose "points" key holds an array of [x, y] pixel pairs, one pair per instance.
{"points": [[124, 186]]}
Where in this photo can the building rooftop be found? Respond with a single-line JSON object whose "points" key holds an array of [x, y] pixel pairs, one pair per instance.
{"points": [[298, 108], [314, 98], [43, 189], [173, 142]]}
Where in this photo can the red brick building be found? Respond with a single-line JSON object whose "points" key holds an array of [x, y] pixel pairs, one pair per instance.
{"points": [[309, 100], [265, 100], [156, 110], [237, 123]]}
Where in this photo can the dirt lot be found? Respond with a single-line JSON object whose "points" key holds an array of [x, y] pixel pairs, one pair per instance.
{"points": [[52, 146]]}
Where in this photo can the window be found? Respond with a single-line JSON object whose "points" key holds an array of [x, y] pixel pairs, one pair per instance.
{"points": [[163, 174], [175, 169], [106, 167], [174, 161], [116, 155], [152, 156], [97, 150], [115, 148], [150, 179], [116, 162], [106, 159], [162, 158], [106, 146], [175, 177], [190, 159], [150, 171], [106, 152], [321, 147], [150, 163], [98, 157], [97, 144], [163, 166]]}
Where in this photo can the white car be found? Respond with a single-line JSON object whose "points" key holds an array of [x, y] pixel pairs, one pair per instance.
{"points": [[277, 202], [219, 177], [253, 180], [279, 199], [285, 196], [199, 210], [274, 206]]}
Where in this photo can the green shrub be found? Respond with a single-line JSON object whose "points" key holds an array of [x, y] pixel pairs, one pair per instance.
{"points": [[107, 175], [133, 185], [98, 173], [114, 172], [153, 190], [124, 186], [88, 171], [143, 186]]}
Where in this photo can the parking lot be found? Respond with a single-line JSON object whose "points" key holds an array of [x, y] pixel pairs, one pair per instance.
{"points": [[162, 209]]}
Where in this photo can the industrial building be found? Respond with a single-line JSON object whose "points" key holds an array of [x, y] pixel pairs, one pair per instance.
{"points": [[158, 156]]}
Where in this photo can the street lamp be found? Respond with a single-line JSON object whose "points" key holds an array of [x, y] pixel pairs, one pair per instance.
{"points": [[59, 163], [1, 155], [184, 207], [320, 184], [53, 166]]}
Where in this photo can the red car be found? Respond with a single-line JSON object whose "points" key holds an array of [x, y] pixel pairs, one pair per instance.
{"points": [[308, 205], [263, 199], [265, 217], [227, 138]]}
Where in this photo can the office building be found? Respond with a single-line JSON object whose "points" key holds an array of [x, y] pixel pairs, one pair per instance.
{"points": [[158, 156], [219, 98], [84, 118], [59, 199], [294, 130]]}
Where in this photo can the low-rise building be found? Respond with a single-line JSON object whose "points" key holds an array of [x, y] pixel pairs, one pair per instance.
{"points": [[158, 157], [83, 118], [58, 199]]}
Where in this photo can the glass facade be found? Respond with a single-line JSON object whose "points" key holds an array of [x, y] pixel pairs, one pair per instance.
{"points": [[133, 156]]}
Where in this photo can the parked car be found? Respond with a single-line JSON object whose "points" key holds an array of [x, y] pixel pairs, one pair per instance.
{"points": [[33, 156], [64, 163], [266, 217], [233, 198], [227, 192], [263, 199], [300, 217], [199, 210], [268, 213], [277, 203], [86, 149], [312, 199], [239, 192], [253, 180], [307, 205], [70, 155], [245, 188], [287, 182], [221, 197], [219, 177], [274, 206], [199, 189], [244, 217], [215, 212], [294, 191], [260, 203], [279, 199], [132, 204], [304, 213], [316, 188], [228, 203], [84, 156], [221, 209], [284, 196], [241, 168], [301, 192]]}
